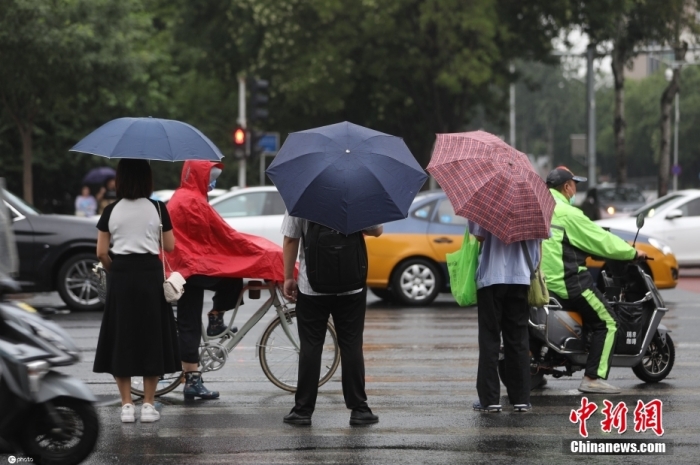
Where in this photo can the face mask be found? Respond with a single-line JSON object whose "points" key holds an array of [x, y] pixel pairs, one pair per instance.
{"points": [[572, 200], [211, 186]]}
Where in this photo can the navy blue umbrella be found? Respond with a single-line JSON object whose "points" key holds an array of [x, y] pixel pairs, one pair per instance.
{"points": [[149, 139], [346, 177], [99, 175]]}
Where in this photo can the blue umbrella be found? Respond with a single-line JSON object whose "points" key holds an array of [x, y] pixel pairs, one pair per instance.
{"points": [[346, 177], [149, 139], [99, 175]]}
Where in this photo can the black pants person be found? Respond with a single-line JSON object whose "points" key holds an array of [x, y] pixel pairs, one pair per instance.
{"points": [[503, 309], [189, 309], [349, 319], [601, 321]]}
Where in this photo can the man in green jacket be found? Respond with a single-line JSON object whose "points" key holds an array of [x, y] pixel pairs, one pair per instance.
{"points": [[574, 238]]}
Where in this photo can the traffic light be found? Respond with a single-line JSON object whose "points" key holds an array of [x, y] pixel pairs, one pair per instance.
{"points": [[241, 143], [239, 137], [258, 100]]}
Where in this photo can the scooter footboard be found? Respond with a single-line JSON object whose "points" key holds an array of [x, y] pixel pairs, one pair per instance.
{"points": [[55, 384]]}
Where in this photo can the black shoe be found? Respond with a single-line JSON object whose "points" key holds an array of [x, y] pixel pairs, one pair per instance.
{"points": [[495, 408], [216, 324], [522, 408], [363, 417], [295, 419], [194, 387]]}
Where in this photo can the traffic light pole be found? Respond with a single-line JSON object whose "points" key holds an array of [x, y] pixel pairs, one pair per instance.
{"points": [[242, 122]]}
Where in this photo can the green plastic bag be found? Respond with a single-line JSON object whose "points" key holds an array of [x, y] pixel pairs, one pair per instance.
{"points": [[462, 268]]}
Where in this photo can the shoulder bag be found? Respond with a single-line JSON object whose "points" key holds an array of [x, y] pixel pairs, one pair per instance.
{"points": [[537, 295], [173, 286]]}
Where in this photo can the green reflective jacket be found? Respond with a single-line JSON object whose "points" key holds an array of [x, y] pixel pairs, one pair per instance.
{"points": [[574, 238]]}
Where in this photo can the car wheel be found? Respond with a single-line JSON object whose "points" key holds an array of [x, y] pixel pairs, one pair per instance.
{"points": [[77, 284], [416, 282], [384, 294]]}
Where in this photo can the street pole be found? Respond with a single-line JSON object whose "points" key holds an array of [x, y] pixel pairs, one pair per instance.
{"points": [[512, 110], [590, 111], [243, 123], [675, 143]]}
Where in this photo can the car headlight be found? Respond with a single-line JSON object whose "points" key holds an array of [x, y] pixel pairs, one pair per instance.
{"points": [[610, 210], [665, 249]]}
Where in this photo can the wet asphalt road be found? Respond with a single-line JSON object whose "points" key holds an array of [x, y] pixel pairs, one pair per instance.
{"points": [[421, 368]]}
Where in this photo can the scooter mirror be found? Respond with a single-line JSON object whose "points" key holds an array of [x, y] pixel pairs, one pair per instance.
{"points": [[640, 220]]}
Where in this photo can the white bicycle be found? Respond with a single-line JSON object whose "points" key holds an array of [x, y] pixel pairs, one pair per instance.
{"points": [[277, 349]]}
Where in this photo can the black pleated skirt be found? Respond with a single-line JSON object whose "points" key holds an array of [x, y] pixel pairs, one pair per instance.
{"points": [[138, 336]]}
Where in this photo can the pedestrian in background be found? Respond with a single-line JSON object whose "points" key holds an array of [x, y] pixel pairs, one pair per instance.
{"points": [[138, 335], [85, 203], [313, 310], [502, 281], [107, 194]]}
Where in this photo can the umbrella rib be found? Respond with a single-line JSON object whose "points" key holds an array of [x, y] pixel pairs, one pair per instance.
{"points": [[168, 139]]}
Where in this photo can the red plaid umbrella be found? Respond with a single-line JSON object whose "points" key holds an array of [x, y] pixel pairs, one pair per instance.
{"points": [[493, 185]]}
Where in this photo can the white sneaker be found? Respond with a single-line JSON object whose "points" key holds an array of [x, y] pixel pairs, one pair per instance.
{"points": [[597, 386], [128, 413], [149, 414]]}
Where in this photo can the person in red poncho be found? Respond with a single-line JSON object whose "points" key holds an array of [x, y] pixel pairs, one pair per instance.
{"points": [[210, 255]]}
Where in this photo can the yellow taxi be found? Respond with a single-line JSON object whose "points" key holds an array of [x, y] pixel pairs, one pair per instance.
{"points": [[407, 263]]}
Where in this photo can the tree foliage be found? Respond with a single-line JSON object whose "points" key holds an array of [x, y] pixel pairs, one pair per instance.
{"points": [[60, 59], [411, 68]]}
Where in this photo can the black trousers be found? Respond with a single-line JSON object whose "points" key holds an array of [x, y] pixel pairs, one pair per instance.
{"points": [[349, 319], [503, 309], [601, 321], [189, 309]]}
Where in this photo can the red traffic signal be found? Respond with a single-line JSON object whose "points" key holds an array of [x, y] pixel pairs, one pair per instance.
{"points": [[239, 137]]}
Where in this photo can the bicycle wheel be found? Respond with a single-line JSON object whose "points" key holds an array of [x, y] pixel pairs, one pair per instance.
{"points": [[279, 358], [166, 383]]}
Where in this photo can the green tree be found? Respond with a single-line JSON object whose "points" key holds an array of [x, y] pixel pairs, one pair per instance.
{"points": [[627, 25], [550, 104], [683, 21], [60, 57], [407, 67]]}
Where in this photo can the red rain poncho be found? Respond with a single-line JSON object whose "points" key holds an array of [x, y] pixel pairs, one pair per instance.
{"points": [[206, 245]]}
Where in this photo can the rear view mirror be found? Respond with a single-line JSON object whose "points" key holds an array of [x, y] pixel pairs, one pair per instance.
{"points": [[640, 220], [673, 214]]}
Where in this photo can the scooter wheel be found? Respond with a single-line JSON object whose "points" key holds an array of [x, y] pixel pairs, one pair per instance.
{"points": [[67, 446], [657, 361]]}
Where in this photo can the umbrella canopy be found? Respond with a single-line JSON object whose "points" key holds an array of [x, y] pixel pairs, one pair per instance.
{"points": [[346, 177], [99, 175], [493, 185], [149, 139]]}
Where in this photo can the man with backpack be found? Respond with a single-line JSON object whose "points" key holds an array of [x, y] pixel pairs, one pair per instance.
{"points": [[331, 281]]}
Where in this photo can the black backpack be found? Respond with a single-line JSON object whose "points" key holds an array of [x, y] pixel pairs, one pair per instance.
{"points": [[335, 263]]}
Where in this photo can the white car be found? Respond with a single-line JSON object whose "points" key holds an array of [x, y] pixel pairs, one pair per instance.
{"points": [[164, 195], [673, 222], [253, 210]]}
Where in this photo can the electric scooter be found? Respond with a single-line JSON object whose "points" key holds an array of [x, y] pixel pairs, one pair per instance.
{"points": [[559, 345]]}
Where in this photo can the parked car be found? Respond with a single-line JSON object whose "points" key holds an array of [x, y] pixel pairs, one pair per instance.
{"points": [[253, 210], [56, 253], [609, 200], [164, 195], [663, 269], [674, 222], [407, 262]]}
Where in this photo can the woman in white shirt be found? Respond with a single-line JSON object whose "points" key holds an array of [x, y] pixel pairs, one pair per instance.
{"points": [[138, 334]]}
